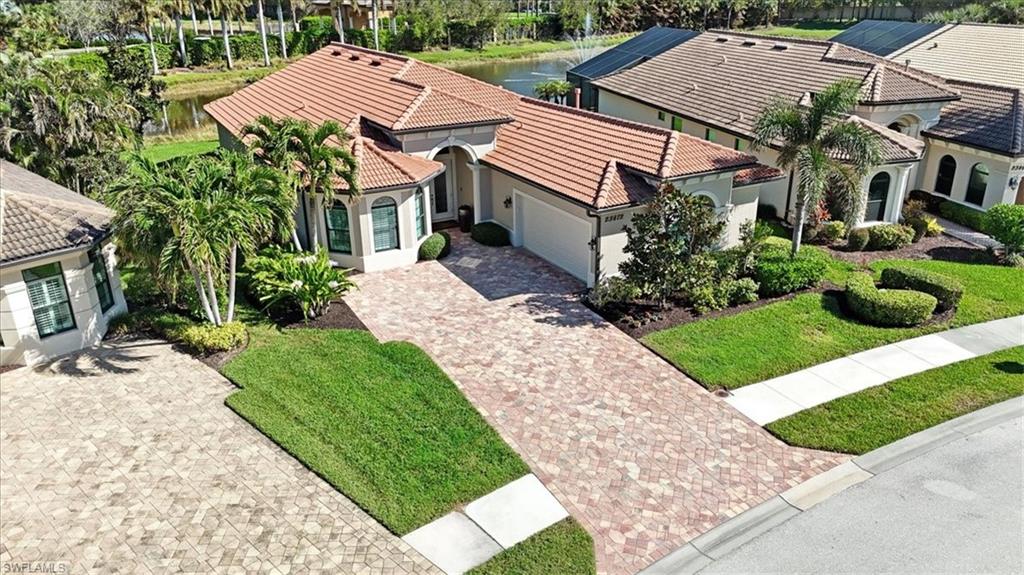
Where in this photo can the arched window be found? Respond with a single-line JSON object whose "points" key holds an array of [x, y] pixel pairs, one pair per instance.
{"points": [[384, 213], [895, 126], [878, 193], [944, 180], [977, 184]]}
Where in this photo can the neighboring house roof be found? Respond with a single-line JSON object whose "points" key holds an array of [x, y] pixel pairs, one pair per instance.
{"points": [[883, 37], [39, 217], [987, 117], [896, 147], [756, 175], [564, 150], [637, 49], [726, 79], [987, 53]]}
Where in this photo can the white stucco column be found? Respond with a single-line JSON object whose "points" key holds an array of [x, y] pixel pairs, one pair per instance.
{"points": [[475, 168], [902, 177]]}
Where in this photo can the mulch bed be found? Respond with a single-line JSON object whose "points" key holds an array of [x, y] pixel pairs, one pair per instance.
{"points": [[941, 247], [338, 316]]}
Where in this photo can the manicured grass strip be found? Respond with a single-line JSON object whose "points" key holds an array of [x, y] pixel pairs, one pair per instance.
{"points": [[784, 337], [878, 416], [380, 422], [170, 150], [565, 547], [807, 30]]}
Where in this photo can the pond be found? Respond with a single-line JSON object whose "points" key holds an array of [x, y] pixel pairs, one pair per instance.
{"points": [[186, 114]]}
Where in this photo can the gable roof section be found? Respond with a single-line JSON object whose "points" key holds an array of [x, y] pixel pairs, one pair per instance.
{"points": [[883, 37], [987, 53], [564, 150], [988, 117], [726, 79], [896, 147], [42, 217], [637, 49]]}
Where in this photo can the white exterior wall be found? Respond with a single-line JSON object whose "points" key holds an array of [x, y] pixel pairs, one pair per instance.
{"points": [[1000, 187], [22, 344]]}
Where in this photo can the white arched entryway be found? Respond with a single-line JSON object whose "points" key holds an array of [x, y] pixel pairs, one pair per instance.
{"points": [[459, 185]]}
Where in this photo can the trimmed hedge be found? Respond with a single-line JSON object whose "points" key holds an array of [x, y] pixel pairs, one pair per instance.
{"points": [[945, 289], [490, 234], [963, 215], [1005, 223], [436, 246], [777, 273], [889, 237], [858, 239], [200, 338], [887, 307], [920, 227]]}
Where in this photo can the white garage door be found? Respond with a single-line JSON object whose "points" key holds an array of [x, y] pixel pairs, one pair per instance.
{"points": [[554, 235]]}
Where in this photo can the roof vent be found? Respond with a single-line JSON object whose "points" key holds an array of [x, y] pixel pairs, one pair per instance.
{"points": [[780, 46], [354, 57], [693, 87], [722, 39], [375, 61], [724, 60], [749, 42], [335, 52]]}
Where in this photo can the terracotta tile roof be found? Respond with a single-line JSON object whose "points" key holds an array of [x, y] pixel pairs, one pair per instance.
{"points": [[603, 167], [40, 216], [989, 53], [988, 117], [726, 79], [756, 175], [896, 147]]}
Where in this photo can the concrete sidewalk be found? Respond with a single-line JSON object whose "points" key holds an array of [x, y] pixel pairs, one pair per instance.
{"points": [[776, 398], [968, 235]]}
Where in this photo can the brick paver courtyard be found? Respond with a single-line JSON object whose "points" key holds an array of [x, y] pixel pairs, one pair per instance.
{"points": [[125, 459], [644, 457]]}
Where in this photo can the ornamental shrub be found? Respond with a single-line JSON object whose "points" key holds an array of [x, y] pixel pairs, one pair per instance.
{"points": [[1005, 222], [833, 231], [858, 239], [963, 215], [741, 291], [206, 338], [308, 281], [777, 273], [889, 237], [920, 227], [612, 290], [887, 307], [490, 234], [436, 246], [945, 289], [934, 228]]}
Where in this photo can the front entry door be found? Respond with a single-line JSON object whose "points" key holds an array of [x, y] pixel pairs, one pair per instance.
{"points": [[442, 192]]}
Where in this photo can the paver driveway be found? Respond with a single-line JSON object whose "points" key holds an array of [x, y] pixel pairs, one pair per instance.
{"points": [[642, 455], [126, 460]]}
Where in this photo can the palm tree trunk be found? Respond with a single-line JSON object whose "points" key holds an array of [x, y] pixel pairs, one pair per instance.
{"points": [[199, 289], [227, 43], [295, 240], [181, 39], [376, 26], [213, 296], [280, 29], [152, 47], [195, 23], [798, 229], [263, 32], [295, 19], [209, 20], [231, 281]]}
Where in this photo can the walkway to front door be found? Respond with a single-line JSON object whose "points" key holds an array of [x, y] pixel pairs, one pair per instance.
{"points": [[644, 457]]}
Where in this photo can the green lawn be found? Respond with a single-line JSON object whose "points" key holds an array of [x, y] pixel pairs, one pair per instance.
{"points": [[183, 84], [512, 51], [783, 337], [165, 151], [565, 547], [878, 416], [807, 30], [380, 422]]}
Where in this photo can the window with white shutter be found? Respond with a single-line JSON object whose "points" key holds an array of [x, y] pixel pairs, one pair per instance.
{"points": [[49, 299]]}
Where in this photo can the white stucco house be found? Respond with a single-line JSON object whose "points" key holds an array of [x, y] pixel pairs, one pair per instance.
{"points": [[564, 182], [715, 84], [59, 284]]}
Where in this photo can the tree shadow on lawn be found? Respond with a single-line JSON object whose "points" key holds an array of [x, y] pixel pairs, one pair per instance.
{"points": [[1011, 367]]}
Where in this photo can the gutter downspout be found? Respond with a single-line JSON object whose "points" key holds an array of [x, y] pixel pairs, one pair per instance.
{"points": [[596, 248], [789, 194]]}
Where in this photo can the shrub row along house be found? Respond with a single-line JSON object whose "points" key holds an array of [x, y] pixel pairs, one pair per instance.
{"points": [[59, 286], [955, 138], [563, 182]]}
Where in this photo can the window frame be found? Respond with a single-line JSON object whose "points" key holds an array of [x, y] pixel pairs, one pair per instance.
{"points": [[677, 121], [420, 198], [389, 202], [970, 184], [952, 176], [661, 115], [96, 257], [67, 299], [885, 197], [348, 227], [709, 134]]}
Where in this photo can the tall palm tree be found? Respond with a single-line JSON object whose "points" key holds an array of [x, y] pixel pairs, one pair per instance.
{"points": [[142, 10], [224, 8], [282, 36], [820, 146], [177, 9], [273, 142], [263, 32], [325, 161]]}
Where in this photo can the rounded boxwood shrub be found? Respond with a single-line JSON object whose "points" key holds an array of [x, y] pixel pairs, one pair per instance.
{"points": [[858, 239], [889, 237], [887, 307], [436, 246], [834, 231], [490, 234], [1005, 223], [778, 274], [945, 289], [208, 338], [920, 227]]}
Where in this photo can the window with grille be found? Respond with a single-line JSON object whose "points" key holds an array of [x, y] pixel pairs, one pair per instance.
{"points": [[338, 237], [101, 279], [421, 215], [49, 299], [385, 224]]}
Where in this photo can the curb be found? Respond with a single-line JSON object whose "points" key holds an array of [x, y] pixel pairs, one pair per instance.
{"points": [[747, 526]]}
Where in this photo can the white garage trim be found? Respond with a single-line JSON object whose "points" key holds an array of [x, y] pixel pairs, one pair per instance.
{"points": [[574, 255]]}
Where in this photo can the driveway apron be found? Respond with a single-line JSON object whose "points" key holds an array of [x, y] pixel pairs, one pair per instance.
{"points": [[643, 456]]}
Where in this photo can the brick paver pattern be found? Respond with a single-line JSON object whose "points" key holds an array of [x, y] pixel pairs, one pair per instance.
{"points": [[126, 459], [644, 457]]}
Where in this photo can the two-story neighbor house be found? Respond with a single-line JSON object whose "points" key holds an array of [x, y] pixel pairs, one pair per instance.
{"points": [[563, 181]]}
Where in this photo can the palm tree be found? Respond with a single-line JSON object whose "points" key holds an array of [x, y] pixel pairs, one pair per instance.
{"points": [[280, 29], [224, 9], [263, 32], [177, 9], [141, 9], [820, 146], [273, 142], [324, 158]]}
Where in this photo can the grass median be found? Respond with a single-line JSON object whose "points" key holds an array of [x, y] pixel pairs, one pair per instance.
{"points": [[565, 547]]}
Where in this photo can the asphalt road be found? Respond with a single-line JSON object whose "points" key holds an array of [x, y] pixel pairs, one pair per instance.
{"points": [[956, 509]]}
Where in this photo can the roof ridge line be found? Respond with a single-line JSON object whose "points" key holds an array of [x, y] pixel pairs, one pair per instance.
{"points": [[358, 48], [877, 128], [605, 183], [472, 103], [810, 41], [35, 199], [1018, 122], [668, 155], [413, 106]]}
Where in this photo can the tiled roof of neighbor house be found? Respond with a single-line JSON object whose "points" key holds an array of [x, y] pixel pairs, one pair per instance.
{"points": [[756, 175], [565, 150], [988, 117], [726, 79], [988, 53], [896, 147], [40, 216]]}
